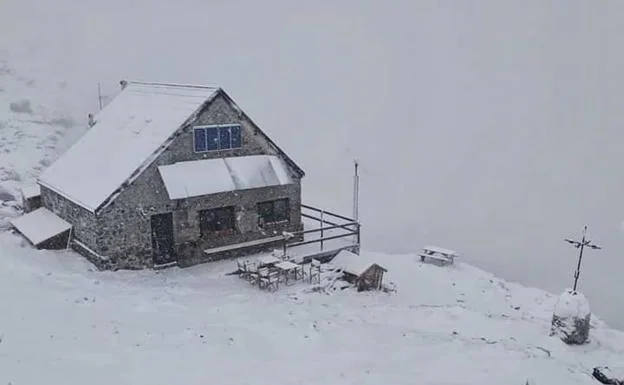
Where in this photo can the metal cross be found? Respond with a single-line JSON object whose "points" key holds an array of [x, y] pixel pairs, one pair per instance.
{"points": [[581, 245]]}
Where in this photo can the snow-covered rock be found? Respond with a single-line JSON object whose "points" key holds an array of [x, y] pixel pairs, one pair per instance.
{"points": [[609, 375], [571, 318]]}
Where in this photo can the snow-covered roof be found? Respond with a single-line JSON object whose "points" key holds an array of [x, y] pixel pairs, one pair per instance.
{"points": [[352, 263], [40, 225], [31, 191], [124, 138], [210, 176]]}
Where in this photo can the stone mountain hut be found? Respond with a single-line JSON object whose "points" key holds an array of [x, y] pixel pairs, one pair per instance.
{"points": [[167, 174]]}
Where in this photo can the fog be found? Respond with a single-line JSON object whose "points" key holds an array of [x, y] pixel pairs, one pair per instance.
{"points": [[489, 127]]}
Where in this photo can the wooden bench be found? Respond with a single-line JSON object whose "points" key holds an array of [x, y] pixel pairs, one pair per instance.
{"points": [[438, 254], [243, 245]]}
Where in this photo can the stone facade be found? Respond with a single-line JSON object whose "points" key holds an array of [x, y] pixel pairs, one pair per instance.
{"points": [[119, 236], [83, 221]]}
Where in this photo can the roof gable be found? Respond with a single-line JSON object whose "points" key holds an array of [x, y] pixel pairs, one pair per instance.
{"points": [[126, 133], [291, 163]]}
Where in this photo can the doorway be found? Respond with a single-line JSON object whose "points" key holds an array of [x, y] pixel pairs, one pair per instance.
{"points": [[162, 239]]}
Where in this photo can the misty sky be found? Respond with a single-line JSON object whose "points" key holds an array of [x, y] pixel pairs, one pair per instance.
{"points": [[490, 127]]}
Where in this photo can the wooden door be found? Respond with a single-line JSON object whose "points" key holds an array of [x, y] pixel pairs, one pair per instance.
{"points": [[162, 239]]}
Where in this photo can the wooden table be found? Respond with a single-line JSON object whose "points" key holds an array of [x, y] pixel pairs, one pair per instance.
{"points": [[287, 267]]}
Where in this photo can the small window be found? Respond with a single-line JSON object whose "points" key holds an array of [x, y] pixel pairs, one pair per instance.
{"points": [[200, 140], [212, 138], [224, 138], [216, 220], [273, 211], [217, 138], [235, 133]]}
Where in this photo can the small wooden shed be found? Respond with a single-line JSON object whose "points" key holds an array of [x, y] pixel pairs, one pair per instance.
{"points": [[359, 270]]}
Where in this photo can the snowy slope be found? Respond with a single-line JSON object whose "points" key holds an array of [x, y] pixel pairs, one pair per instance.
{"points": [[34, 126], [197, 325]]}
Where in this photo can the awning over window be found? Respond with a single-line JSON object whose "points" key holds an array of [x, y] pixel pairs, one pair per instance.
{"points": [[40, 225], [210, 176]]}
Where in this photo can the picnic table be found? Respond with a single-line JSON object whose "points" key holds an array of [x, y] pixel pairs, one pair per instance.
{"points": [[439, 254], [267, 270]]}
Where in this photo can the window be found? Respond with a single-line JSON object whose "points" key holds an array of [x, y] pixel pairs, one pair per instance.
{"points": [[224, 139], [235, 131], [273, 211], [200, 140], [216, 220], [212, 138]]}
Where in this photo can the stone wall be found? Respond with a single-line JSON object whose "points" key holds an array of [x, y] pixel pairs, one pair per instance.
{"points": [[124, 228], [83, 221], [125, 225]]}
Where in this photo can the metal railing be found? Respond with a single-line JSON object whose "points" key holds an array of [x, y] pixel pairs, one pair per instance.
{"points": [[328, 223]]}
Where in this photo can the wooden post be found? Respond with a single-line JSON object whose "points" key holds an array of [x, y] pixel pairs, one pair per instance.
{"points": [[69, 238], [100, 96], [356, 191], [356, 196], [322, 224]]}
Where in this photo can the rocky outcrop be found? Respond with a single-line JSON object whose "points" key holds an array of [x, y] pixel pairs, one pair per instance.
{"points": [[608, 376]]}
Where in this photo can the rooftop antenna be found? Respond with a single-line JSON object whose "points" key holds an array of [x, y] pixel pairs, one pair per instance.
{"points": [[100, 96], [356, 198], [581, 246], [356, 190]]}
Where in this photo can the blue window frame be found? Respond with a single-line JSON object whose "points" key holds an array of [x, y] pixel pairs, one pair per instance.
{"points": [[200, 140], [212, 133], [215, 138], [224, 138], [235, 134]]}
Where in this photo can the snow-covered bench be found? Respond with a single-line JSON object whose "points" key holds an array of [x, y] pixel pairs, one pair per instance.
{"points": [[438, 254], [243, 245]]}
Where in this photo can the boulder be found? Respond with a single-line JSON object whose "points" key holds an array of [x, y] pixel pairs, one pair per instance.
{"points": [[608, 375], [571, 318]]}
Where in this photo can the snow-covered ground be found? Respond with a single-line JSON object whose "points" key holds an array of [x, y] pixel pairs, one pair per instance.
{"points": [[64, 322]]}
